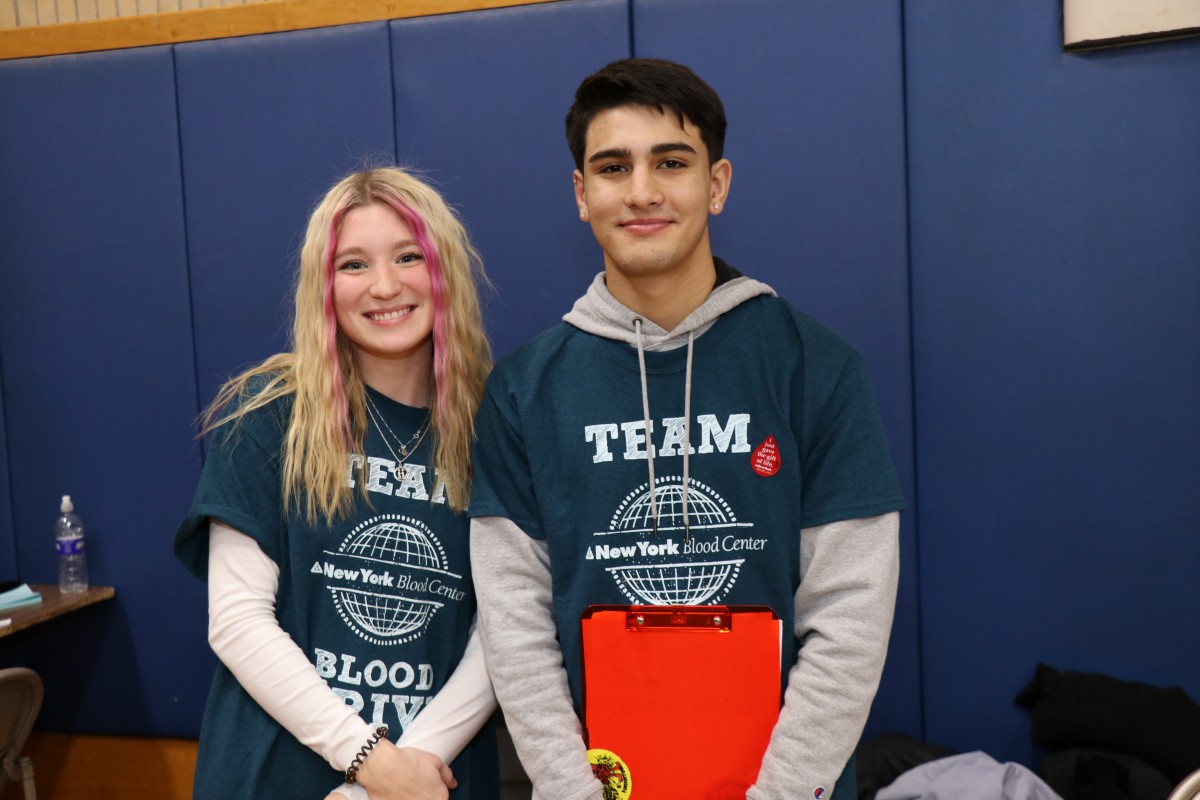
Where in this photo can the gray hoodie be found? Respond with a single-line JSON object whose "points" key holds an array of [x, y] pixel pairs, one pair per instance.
{"points": [[843, 610]]}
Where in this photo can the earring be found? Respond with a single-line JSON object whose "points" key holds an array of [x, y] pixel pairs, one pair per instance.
{"points": [[716, 206], [583, 215]]}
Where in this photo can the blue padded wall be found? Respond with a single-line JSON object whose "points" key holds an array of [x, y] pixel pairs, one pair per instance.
{"points": [[1056, 282], [480, 102], [153, 200], [814, 97], [269, 123], [8, 539], [95, 343]]}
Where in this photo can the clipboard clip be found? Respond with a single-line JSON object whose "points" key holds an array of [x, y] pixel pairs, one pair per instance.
{"points": [[679, 618]]}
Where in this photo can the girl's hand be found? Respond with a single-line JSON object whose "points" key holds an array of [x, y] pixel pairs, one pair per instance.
{"points": [[405, 773]]}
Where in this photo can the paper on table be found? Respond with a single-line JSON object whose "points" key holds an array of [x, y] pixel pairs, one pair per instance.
{"points": [[19, 597]]}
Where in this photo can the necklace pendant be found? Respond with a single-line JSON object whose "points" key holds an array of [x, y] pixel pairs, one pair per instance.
{"points": [[400, 471]]}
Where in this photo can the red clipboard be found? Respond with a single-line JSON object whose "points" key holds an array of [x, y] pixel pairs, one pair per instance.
{"points": [[679, 701]]}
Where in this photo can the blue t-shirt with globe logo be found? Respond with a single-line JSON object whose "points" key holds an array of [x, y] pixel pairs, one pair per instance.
{"points": [[380, 601], [783, 434]]}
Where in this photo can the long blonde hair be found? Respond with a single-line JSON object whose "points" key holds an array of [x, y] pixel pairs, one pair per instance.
{"points": [[328, 420]]}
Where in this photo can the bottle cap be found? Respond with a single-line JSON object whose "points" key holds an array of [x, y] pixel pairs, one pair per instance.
{"points": [[67, 507]]}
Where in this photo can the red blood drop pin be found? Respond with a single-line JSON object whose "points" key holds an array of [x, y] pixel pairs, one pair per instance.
{"points": [[765, 458]]}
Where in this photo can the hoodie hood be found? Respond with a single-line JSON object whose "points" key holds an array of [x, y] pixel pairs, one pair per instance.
{"points": [[601, 314]]}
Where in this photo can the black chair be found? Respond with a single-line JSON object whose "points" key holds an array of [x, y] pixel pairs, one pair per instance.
{"points": [[20, 701]]}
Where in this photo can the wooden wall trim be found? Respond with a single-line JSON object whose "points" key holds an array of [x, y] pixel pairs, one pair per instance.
{"points": [[219, 23]]}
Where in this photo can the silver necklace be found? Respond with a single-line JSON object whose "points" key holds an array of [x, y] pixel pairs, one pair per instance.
{"points": [[406, 448]]}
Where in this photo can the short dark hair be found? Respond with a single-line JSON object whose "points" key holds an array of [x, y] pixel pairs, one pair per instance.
{"points": [[650, 83]]}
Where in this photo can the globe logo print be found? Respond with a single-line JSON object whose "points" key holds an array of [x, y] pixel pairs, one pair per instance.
{"points": [[705, 508], [682, 583], [388, 613], [677, 584]]}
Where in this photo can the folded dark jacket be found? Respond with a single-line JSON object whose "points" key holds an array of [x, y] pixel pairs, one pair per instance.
{"points": [[1160, 726], [1082, 774]]}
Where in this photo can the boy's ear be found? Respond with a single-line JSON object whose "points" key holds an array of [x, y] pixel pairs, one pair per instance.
{"points": [[580, 194], [721, 175]]}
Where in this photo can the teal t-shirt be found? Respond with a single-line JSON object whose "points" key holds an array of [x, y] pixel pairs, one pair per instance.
{"points": [[381, 602], [784, 434]]}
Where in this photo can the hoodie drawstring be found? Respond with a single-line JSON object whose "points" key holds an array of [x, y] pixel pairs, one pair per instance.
{"points": [[687, 416], [687, 434], [637, 329]]}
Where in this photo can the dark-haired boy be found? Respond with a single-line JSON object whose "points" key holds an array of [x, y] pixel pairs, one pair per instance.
{"points": [[675, 371]]}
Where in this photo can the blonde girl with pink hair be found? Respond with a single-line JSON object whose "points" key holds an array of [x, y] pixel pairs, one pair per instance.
{"points": [[329, 521]]}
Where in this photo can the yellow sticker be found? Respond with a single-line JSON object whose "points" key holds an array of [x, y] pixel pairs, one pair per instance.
{"points": [[612, 772]]}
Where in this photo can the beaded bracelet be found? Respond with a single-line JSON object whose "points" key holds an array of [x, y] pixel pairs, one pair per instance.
{"points": [[352, 771]]}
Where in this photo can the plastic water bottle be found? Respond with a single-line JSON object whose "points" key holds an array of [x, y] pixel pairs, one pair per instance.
{"points": [[72, 558]]}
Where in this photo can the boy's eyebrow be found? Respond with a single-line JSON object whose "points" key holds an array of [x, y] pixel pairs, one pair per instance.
{"points": [[612, 152], [656, 150], [672, 147]]}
